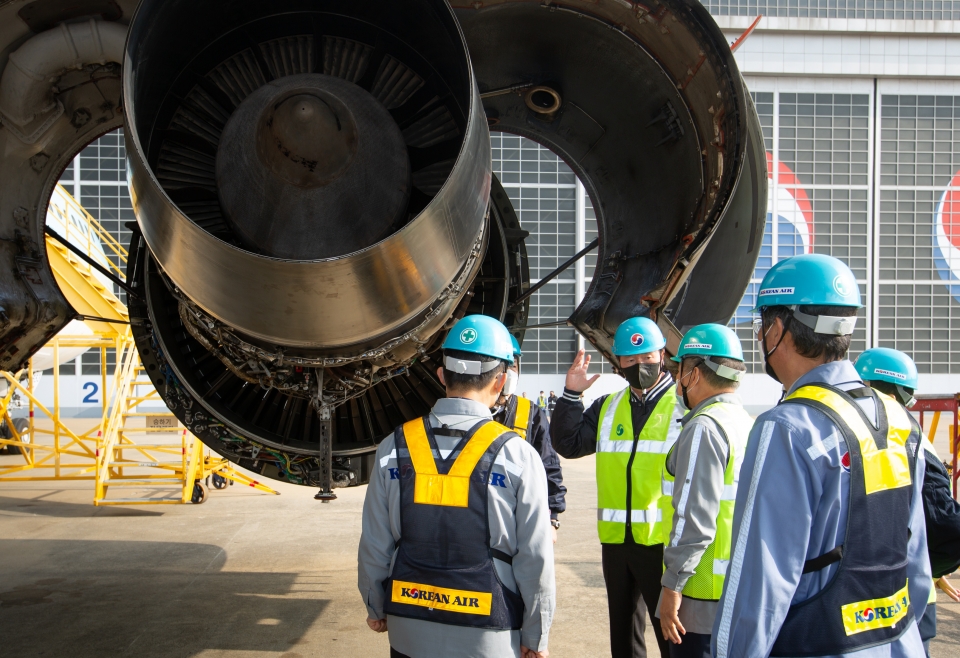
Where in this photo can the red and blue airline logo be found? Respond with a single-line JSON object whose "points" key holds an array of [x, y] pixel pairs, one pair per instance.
{"points": [[946, 237], [636, 340], [794, 227]]}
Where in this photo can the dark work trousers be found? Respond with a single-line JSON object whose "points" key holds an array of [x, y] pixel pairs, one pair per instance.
{"points": [[694, 645], [632, 573], [928, 626]]}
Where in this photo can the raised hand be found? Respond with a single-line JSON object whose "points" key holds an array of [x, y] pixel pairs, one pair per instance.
{"points": [[577, 378]]}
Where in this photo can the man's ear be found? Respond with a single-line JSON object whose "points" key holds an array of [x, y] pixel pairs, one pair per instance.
{"points": [[500, 382], [440, 376], [778, 331]]}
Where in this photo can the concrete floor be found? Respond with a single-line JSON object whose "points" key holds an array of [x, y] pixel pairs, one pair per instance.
{"points": [[243, 575]]}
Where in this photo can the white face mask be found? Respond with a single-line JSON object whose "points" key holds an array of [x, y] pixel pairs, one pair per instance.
{"points": [[510, 386]]}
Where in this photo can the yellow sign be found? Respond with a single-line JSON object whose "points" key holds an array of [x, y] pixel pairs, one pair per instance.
{"points": [[441, 598], [876, 613]]}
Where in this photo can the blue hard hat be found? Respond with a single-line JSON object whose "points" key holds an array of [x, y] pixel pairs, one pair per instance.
{"points": [[516, 346], [809, 279], [481, 334], [710, 340], [637, 336], [887, 365]]}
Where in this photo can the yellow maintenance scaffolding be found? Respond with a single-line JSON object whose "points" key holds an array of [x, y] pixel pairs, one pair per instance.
{"points": [[110, 450]]}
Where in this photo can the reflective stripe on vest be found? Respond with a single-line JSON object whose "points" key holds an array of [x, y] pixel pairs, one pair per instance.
{"points": [[882, 469], [707, 580], [522, 418], [636, 516], [452, 489], [615, 444]]}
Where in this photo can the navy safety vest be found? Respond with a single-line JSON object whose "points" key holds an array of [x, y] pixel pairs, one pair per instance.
{"points": [[444, 568], [867, 602], [517, 416]]}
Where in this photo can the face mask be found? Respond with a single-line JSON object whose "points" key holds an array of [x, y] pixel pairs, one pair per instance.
{"points": [[906, 397], [510, 387], [642, 375], [767, 368], [683, 390]]}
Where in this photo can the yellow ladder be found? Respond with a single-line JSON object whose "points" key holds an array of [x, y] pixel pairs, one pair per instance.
{"points": [[109, 452]]}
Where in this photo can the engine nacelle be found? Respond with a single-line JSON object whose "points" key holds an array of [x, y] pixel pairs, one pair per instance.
{"points": [[313, 187]]}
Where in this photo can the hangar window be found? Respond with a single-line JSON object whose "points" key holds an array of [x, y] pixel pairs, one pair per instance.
{"points": [[877, 9], [544, 192], [818, 149], [918, 303]]}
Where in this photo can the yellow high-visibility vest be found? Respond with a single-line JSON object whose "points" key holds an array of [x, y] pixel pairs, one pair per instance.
{"points": [[615, 446], [707, 581]]}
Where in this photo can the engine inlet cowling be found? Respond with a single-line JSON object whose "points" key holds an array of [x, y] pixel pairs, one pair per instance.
{"points": [[277, 165]]}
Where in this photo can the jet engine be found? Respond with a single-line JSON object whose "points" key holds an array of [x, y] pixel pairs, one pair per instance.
{"points": [[312, 182]]}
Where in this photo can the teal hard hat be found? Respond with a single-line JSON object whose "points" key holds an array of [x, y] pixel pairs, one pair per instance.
{"points": [[809, 279], [887, 365], [637, 336], [812, 280], [712, 340], [516, 346], [478, 334]]}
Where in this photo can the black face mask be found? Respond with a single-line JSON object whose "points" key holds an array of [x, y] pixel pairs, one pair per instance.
{"points": [[683, 391], [767, 368], [642, 375]]}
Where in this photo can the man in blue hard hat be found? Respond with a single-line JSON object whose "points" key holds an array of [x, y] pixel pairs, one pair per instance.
{"points": [[829, 545], [895, 374], [456, 557], [699, 485], [531, 423], [631, 432]]}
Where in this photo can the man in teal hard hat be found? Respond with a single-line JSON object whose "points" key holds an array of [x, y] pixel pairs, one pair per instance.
{"points": [[456, 557], [631, 432], [530, 422], [889, 371], [829, 544], [699, 486], [894, 373]]}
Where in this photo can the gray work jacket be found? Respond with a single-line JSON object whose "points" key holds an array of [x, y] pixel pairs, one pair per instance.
{"points": [[519, 519], [702, 488]]}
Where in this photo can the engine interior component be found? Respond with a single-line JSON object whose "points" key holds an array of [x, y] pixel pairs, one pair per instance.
{"points": [[301, 153]]}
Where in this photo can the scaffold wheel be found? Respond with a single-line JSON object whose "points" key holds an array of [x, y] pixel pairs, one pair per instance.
{"points": [[199, 493]]}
